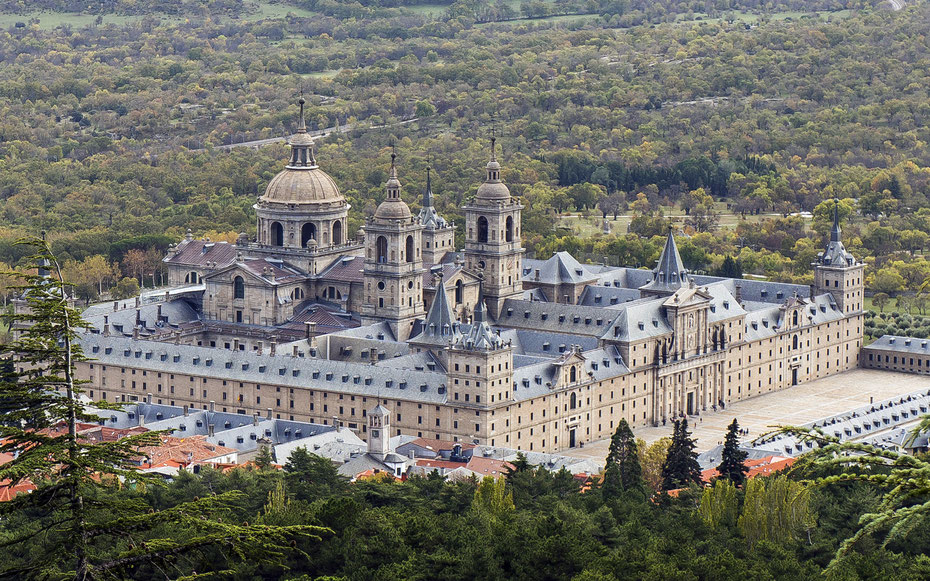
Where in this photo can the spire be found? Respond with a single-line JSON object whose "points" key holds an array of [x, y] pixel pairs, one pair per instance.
{"points": [[428, 194], [301, 143], [835, 254], [393, 184], [480, 337], [493, 190], [670, 273], [440, 326], [429, 217], [393, 207], [835, 232]]}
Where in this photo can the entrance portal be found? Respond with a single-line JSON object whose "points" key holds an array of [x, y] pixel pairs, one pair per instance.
{"points": [[794, 376], [691, 403], [571, 438]]}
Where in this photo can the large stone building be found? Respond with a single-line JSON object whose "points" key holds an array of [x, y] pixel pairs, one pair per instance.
{"points": [[481, 346]]}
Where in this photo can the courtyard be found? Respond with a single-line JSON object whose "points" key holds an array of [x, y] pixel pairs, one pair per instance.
{"points": [[798, 405]]}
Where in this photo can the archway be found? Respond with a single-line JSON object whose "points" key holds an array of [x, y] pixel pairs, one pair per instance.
{"points": [[508, 229], [482, 229], [277, 234], [459, 292], [572, 376], [409, 249], [574, 398], [307, 233], [381, 249], [238, 288], [337, 232]]}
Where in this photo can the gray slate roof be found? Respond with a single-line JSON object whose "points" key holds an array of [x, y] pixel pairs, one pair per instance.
{"points": [[670, 273], [900, 344], [281, 369]]}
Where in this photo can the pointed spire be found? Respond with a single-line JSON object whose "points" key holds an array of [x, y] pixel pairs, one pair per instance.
{"points": [[428, 194], [670, 273], [479, 307], [302, 124], [835, 232], [493, 146], [480, 337], [393, 184]]}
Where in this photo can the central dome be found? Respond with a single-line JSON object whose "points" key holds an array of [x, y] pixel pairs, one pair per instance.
{"points": [[309, 185]]}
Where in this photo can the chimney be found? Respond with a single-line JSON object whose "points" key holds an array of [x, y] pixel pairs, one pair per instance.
{"points": [[167, 296], [135, 332], [138, 317], [268, 413], [235, 344], [813, 291], [261, 346], [210, 430], [186, 410], [148, 398], [141, 418], [309, 333], [739, 294], [537, 274], [106, 326], [273, 346], [158, 320], [115, 305], [138, 301], [336, 423], [255, 417], [295, 350], [212, 406]]}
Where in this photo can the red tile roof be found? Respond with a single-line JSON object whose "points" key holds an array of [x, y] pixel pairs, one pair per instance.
{"points": [[199, 252], [184, 451]]}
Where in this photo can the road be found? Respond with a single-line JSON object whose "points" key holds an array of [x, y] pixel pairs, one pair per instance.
{"points": [[319, 134]]}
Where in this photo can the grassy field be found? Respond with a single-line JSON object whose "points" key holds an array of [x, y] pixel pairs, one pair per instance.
{"points": [[266, 10], [594, 225], [49, 20]]}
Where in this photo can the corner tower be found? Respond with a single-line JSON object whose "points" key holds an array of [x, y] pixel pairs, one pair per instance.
{"points": [[393, 263], [670, 273], [492, 238], [838, 272]]}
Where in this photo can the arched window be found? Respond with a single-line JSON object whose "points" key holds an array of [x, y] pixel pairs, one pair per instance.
{"points": [[572, 376], [508, 229], [238, 288], [381, 249], [574, 399], [794, 342], [277, 234], [482, 229], [337, 232], [192, 277], [409, 249], [307, 233], [459, 292]]}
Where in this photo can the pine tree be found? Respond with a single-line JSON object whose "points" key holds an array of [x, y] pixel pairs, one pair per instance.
{"points": [[623, 469], [733, 461], [681, 466], [85, 534]]}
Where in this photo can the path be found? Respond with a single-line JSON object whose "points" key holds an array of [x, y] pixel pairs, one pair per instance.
{"points": [[318, 134]]}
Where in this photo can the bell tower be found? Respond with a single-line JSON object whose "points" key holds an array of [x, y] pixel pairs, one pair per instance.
{"points": [[492, 238], [393, 263]]}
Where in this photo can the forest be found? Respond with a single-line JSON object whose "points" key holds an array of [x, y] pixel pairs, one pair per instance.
{"points": [[739, 129]]}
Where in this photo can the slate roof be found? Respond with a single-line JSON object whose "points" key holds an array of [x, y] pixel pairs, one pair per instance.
{"points": [[200, 252], [440, 327], [607, 296], [560, 268], [281, 369], [556, 317], [345, 269], [530, 381], [173, 313], [835, 253], [900, 344]]}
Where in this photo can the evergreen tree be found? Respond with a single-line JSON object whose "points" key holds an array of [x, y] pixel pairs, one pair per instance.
{"points": [[681, 466], [730, 268], [623, 469], [733, 461], [86, 531]]}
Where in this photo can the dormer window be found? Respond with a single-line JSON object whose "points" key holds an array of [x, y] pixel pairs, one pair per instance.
{"points": [[641, 325]]}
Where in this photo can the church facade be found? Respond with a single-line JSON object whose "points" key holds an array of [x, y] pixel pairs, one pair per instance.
{"points": [[479, 345]]}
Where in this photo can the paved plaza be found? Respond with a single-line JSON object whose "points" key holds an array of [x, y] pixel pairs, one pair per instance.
{"points": [[797, 405]]}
